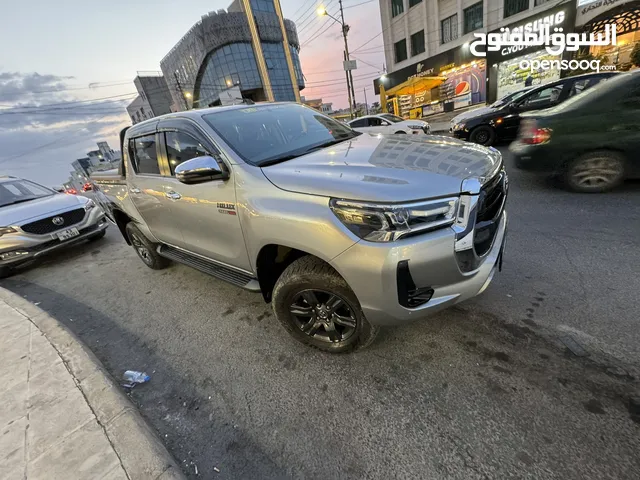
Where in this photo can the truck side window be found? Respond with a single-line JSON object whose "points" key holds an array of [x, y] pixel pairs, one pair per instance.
{"points": [[182, 147], [144, 155]]}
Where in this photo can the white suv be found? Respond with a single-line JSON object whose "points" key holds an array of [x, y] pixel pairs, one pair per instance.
{"points": [[389, 124]]}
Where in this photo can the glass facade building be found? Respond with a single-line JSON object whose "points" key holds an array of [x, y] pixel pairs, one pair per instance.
{"points": [[223, 51]]}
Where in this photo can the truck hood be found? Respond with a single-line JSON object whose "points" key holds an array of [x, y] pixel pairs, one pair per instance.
{"points": [[21, 213], [387, 168]]}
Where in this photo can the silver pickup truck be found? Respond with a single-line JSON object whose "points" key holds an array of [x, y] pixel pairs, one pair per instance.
{"points": [[341, 231]]}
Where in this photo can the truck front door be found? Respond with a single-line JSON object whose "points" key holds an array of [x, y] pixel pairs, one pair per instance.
{"points": [[206, 212]]}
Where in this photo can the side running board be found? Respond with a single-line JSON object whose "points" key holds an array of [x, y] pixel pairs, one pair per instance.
{"points": [[209, 267]]}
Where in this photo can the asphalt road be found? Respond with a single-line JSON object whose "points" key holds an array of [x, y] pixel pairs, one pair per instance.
{"points": [[487, 389]]}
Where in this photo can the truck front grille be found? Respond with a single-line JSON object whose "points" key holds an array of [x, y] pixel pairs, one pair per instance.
{"points": [[47, 225]]}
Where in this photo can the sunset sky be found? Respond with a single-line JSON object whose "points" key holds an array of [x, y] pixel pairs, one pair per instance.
{"points": [[88, 50]]}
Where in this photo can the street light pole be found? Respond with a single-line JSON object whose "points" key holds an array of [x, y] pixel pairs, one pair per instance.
{"points": [[345, 30]]}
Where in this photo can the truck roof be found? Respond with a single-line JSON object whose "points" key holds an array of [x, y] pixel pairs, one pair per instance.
{"points": [[203, 111]]}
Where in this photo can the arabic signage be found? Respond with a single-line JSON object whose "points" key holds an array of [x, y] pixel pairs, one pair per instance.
{"points": [[590, 9], [560, 17]]}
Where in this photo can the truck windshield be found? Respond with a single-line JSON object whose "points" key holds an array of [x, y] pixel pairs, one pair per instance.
{"points": [[265, 134], [18, 191]]}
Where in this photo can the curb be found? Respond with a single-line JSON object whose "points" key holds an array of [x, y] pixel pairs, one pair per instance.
{"points": [[142, 454]]}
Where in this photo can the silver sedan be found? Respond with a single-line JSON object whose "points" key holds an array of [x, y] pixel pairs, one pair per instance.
{"points": [[34, 220]]}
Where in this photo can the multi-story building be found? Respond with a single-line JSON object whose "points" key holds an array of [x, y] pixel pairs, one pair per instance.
{"points": [[250, 46], [318, 104], [427, 48], [153, 97]]}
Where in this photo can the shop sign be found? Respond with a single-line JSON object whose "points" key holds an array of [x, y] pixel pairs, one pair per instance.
{"points": [[539, 26], [590, 9], [421, 71], [447, 67]]}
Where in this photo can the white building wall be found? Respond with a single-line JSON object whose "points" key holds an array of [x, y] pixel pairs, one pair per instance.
{"points": [[428, 14]]}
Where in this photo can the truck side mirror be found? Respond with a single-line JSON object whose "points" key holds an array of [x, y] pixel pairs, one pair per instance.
{"points": [[199, 170]]}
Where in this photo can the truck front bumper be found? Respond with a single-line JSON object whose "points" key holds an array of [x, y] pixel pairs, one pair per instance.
{"points": [[21, 247], [376, 272]]}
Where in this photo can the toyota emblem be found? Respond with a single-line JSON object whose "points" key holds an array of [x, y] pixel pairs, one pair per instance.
{"points": [[57, 220]]}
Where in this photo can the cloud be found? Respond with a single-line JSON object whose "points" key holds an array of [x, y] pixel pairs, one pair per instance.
{"points": [[45, 155], [16, 86]]}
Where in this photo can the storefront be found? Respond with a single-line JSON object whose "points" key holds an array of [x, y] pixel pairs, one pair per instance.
{"points": [[593, 15], [504, 73], [450, 80]]}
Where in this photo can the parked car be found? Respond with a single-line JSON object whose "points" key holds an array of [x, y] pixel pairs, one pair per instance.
{"points": [[502, 122], [592, 140], [37, 220], [71, 191], [389, 124], [458, 119], [340, 231], [87, 187]]}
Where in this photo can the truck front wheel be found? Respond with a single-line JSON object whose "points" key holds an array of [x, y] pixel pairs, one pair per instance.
{"points": [[317, 307], [145, 249]]}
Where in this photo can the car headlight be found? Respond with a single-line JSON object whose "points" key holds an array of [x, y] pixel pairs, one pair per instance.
{"points": [[89, 205], [389, 222], [5, 230], [458, 126]]}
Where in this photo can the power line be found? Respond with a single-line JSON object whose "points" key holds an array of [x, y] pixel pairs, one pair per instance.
{"points": [[358, 4]]}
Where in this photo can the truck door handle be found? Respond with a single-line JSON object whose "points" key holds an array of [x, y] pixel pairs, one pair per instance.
{"points": [[173, 195], [134, 190]]}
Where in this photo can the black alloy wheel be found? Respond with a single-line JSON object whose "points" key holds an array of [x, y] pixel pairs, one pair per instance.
{"points": [[142, 251], [145, 249], [322, 315], [316, 306], [483, 135]]}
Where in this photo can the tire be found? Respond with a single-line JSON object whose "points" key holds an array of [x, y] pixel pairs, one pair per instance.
{"points": [[145, 249], [97, 236], [483, 135], [334, 300], [595, 172], [401, 133]]}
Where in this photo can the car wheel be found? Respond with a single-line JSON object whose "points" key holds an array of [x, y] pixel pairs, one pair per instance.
{"points": [[401, 132], [484, 135], [595, 172], [317, 307], [97, 236], [145, 249]]}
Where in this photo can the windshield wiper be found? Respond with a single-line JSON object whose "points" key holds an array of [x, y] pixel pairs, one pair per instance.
{"points": [[20, 201], [284, 158]]}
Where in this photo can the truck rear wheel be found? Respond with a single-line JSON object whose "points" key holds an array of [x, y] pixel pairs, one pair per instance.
{"points": [[145, 249], [317, 307]]}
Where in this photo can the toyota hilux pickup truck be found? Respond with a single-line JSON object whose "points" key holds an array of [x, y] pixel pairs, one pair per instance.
{"points": [[340, 231]]}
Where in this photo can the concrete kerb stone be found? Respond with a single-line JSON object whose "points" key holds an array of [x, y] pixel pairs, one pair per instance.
{"points": [[142, 454]]}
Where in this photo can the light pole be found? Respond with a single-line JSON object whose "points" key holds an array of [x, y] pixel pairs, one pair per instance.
{"points": [[345, 30]]}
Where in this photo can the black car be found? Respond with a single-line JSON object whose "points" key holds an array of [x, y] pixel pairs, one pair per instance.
{"points": [[502, 123], [591, 141]]}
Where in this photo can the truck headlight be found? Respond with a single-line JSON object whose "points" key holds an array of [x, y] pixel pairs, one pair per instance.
{"points": [[5, 230], [389, 222]]}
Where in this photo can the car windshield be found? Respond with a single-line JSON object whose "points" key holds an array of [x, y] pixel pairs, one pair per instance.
{"points": [[392, 118], [266, 134], [18, 191], [590, 94]]}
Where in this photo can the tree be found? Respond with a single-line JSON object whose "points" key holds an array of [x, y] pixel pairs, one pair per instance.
{"points": [[635, 54], [375, 107]]}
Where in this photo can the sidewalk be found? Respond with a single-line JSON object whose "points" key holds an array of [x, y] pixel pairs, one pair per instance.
{"points": [[61, 416]]}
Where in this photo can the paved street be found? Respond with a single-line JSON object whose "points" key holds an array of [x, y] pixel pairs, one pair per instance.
{"points": [[487, 389]]}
